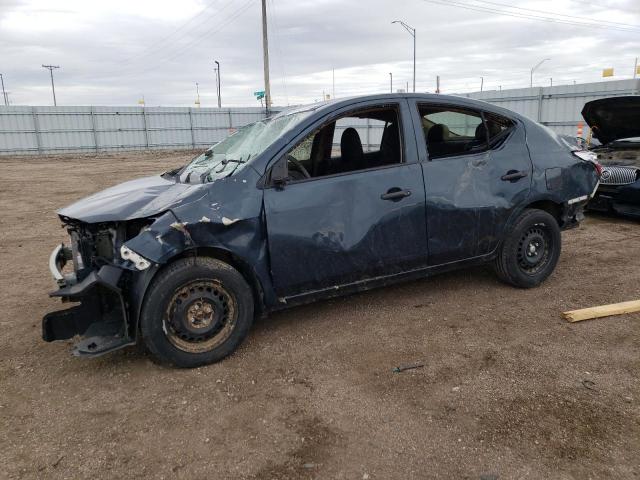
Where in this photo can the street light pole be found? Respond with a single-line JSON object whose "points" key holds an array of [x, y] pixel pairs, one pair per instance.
{"points": [[53, 88], [534, 69], [218, 81], [391, 82], [412, 32]]}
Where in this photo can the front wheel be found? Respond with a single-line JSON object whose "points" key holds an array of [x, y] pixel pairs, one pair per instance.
{"points": [[530, 251], [198, 310]]}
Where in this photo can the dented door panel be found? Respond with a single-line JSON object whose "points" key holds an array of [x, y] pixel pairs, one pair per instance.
{"points": [[453, 192], [500, 197], [335, 230]]}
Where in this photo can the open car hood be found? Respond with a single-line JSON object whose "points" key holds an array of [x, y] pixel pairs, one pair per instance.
{"points": [[613, 118]]}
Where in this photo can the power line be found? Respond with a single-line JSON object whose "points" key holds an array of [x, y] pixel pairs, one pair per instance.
{"points": [[198, 40], [478, 8], [168, 37], [587, 19]]}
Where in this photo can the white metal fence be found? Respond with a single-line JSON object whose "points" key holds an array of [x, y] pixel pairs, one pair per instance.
{"points": [[49, 130], [46, 130], [557, 107]]}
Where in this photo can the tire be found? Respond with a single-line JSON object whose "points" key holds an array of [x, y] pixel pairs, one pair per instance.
{"points": [[197, 311], [530, 251]]}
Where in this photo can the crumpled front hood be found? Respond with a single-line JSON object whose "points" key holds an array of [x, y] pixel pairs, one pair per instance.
{"points": [[138, 198], [613, 118]]}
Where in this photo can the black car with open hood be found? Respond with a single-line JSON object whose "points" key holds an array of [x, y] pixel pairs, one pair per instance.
{"points": [[615, 122]]}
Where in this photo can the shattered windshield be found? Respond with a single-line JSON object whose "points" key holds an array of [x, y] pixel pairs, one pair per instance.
{"points": [[238, 149]]}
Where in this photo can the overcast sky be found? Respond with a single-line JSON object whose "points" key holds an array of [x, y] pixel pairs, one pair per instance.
{"points": [[111, 52]]}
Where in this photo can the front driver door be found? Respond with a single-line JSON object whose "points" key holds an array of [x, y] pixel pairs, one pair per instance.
{"points": [[361, 217]]}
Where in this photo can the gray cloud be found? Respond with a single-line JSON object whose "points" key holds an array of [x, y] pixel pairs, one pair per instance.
{"points": [[111, 54]]}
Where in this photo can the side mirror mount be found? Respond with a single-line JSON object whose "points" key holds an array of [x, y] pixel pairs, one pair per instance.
{"points": [[279, 173]]}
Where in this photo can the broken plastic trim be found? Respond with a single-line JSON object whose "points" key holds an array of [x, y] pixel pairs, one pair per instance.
{"points": [[139, 261]]}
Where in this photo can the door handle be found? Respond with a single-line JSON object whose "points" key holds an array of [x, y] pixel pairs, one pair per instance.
{"points": [[513, 176], [395, 194]]}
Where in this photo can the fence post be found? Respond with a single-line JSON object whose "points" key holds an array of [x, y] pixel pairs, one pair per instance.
{"points": [[36, 127], [146, 130], [93, 128], [193, 139], [539, 104]]}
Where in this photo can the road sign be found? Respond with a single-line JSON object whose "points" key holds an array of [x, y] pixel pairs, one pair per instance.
{"points": [[259, 95]]}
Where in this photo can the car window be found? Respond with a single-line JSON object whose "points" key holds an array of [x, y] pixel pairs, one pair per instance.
{"points": [[356, 141], [497, 128], [450, 131], [369, 130]]}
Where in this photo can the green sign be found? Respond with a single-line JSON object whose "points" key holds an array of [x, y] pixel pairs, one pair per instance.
{"points": [[259, 95]]}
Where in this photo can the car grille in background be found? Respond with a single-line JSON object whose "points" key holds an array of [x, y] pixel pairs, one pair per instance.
{"points": [[618, 175]]}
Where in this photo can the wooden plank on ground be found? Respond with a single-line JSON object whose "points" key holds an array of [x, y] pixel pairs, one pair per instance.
{"points": [[602, 311]]}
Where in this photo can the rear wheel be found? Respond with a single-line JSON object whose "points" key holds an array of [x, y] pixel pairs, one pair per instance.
{"points": [[197, 311], [530, 251]]}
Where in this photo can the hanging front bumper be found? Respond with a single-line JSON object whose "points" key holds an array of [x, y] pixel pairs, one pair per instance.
{"points": [[101, 316]]}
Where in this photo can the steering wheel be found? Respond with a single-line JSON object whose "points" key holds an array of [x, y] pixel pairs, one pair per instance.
{"points": [[298, 166]]}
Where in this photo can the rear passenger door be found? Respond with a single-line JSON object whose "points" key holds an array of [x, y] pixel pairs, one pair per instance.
{"points": [[467, 159]]}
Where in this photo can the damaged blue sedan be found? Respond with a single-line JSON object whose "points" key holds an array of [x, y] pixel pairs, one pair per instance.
{"points": [[314, 202]]}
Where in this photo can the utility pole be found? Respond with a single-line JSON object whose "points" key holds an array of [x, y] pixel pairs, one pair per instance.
{"points": [[218, 82], [265, 53], [438, 84], [4, 93], [53, 88], [635, 69], [534, 69], [391, 82], [481, 83], [197, 95], [551, 82], [412, 32]]}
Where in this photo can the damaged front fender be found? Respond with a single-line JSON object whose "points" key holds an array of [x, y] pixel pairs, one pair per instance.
{"points": [[227, 222]]}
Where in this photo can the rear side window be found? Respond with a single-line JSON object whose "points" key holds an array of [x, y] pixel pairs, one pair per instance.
{"points": [[451, 131], [498, 128]]}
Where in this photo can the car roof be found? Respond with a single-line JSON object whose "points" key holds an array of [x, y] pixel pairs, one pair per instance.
{"points": [[330, 105]]}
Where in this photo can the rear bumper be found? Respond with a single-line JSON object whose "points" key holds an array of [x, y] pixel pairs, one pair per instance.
{"points": [[101, 316], [573, 213]]}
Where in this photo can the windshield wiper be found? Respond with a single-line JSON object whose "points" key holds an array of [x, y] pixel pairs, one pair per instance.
{"points": [[224, 164]]}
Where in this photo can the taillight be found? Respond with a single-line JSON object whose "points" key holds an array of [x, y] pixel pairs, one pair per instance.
{"points": [[589, 157], [598, 168]]}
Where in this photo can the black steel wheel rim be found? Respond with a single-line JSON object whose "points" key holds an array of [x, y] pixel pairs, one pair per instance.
{"points": [[200, 316], [534, 249]]}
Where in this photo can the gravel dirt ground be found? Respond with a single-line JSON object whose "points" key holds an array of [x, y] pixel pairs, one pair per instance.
{"points": [[508, 388]]}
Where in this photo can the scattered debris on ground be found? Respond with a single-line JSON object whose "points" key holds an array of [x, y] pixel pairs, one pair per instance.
{"points": [[409, 366]]}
